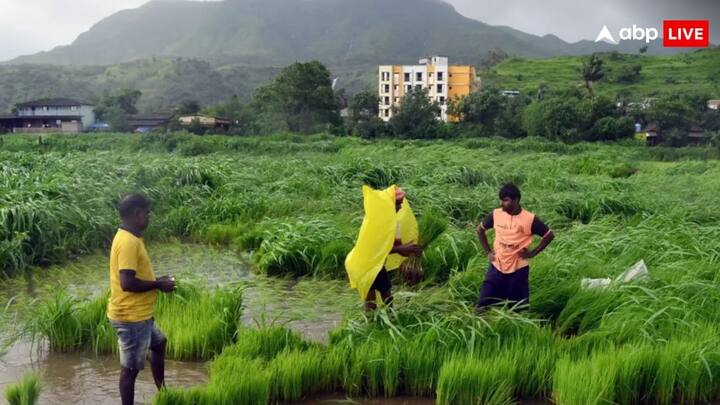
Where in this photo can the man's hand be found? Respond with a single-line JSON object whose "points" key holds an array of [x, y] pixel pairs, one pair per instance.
{"points": [[166, 284], [527, 254], [491, 256]]}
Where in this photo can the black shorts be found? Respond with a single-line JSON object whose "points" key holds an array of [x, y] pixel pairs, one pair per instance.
{"points": [[512, 288], [382, 282]]}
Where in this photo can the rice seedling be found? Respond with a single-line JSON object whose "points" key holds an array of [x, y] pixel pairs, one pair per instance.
{"points": [[469, 380], [198, 324], [586, 381], [24, 392], [430, 227], [296, 374]]}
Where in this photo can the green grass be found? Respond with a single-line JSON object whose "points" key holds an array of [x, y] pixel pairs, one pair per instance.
{"points": [[476, 381], [198, 323], [691, 72], [24, 392]]}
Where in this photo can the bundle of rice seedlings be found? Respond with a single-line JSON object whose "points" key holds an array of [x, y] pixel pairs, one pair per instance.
{"points": [[431, 226], [24, 392]]}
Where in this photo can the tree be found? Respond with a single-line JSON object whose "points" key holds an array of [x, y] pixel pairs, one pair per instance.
{"points": [[116, 108], [240, 115], [188, 107], [363, 117], [675, 137], [480, 107], [591, 71], [417, 117], [509, 124], [554, 118], [670, 111], [301, 98], [628, 73], [117, 118], [610, 129], [492, 58], [711, 120], [196, 127], [590, 110]]}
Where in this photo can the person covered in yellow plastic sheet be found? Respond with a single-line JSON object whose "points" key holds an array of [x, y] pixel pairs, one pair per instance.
{"points": [[387, 237]]}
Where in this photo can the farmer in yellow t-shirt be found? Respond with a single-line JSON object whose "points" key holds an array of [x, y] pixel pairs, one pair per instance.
{"points": [[133, 292]]}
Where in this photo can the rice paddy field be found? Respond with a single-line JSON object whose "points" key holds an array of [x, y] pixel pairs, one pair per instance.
{"points": [[289, 207]]}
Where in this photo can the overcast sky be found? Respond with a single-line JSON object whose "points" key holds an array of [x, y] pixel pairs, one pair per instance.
{"points": [[29, 26]]}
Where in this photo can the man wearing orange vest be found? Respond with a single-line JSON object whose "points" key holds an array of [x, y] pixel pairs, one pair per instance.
{"points": [[507, 277]]}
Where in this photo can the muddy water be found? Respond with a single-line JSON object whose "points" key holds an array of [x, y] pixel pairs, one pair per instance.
{"points": [[309, 307]]}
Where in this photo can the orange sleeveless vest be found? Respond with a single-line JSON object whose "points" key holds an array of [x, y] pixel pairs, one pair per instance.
{"points": [[513, 233]]}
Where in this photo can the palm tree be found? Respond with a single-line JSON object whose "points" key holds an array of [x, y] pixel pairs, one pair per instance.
{"points": [[592, 71]]}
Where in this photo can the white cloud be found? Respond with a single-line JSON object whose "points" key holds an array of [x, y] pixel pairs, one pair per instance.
{"points": [[29, 26]]}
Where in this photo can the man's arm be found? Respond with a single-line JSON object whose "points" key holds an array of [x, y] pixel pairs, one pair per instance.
{"points": [[539, 228], [486, 224], [546, 239], [409, 249], [130, 283]]}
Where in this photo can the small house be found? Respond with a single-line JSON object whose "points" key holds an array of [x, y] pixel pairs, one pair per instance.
{"points": [[144, 123], [206, 121], [49, 115]]}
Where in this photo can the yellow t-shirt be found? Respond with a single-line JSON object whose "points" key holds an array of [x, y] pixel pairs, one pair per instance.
{"points": [[128, 253]]}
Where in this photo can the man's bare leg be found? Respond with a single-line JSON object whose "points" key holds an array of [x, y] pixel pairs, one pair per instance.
{"points": [[370, 304], [127, 385], [157, 363]]}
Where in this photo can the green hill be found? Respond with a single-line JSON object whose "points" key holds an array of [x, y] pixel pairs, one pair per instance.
{"points": [[278, 32], [164, 82], [690, 72]]}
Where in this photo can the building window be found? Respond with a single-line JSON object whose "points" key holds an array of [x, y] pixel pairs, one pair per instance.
{"points": [[418, 87], [387, 112], [387, 88], [385, 76], [440, 76], [408, 88], [395, 88], [396, 100], [439, 88], [74, 108], [407, 77], [418, 76], [46, 108], [441, 99], [387, 100]]}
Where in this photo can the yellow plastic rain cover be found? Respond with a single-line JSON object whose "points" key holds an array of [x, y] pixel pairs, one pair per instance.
{"points": [[377, 236]]}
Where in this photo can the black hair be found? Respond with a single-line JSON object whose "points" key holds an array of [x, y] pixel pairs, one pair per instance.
{"points": [[131, 203], [510, 190]]}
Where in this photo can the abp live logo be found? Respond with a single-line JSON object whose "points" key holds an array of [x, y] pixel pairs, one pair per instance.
{"points": [[676, 33], [686, 33]]}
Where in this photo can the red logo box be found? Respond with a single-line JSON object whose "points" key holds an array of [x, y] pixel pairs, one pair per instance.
{"points": [[686, 33]]}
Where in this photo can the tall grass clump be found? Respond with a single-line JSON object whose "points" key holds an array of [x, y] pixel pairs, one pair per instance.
{"points": [[470, 380], [198, 323], [432, 224], [586, 381], [24, 392], [295, 249]]}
